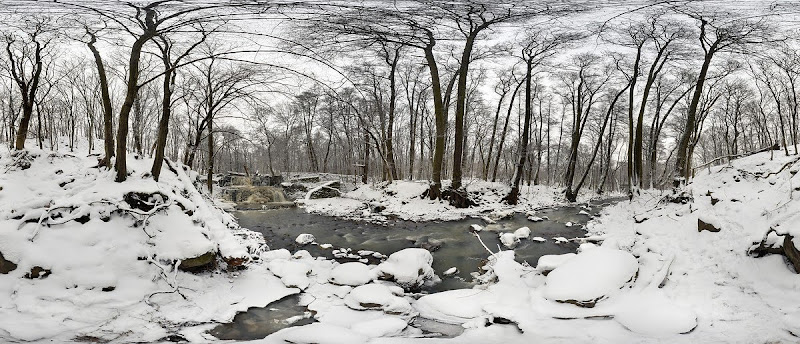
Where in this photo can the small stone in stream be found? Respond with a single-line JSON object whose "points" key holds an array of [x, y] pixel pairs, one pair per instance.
{"points": [[6, 266], [37, 272], [304, 239], [539, 239], [475, 228], [568, 224], [706, 226], [325, 246], [451, 271], [584, 212], [488, 220], [535, 218], [560, 240]]}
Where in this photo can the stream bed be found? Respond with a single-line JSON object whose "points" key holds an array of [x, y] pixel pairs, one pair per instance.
{"points": [[451, 244]]}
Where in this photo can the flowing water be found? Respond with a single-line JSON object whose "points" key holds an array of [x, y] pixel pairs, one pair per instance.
{"points": [[451, 243]]}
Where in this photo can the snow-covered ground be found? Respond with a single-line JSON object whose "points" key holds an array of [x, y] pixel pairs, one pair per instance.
{"points": [[403, 200], [654, 278], [98, 260], [108, 265]]}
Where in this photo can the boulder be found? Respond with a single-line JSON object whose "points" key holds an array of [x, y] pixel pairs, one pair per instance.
{"points": [[590, 276], [378, 297], [324, 192], [6, 266], [304, 239], [203, 262], [352, 274], [410, 268]]}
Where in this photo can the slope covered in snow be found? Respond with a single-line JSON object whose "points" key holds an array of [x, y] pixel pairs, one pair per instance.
{"points": [[88, 258]]}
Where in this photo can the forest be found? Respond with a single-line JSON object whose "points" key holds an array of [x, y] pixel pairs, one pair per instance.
{"points": [[511, 92]]}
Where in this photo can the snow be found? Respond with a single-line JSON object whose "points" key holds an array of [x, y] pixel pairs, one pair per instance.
{"points": [[402, 199], [522, 233], [115, 260], [509, 239], [539, 239], [352, 274], [475, 228], [549, 262], [304, 239], [655, 281], [535, 218], [378, 296], [590, 275], [450, 271], [410, 268]]}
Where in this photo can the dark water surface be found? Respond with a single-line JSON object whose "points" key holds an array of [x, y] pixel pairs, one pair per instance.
{"points": [[451, 243]]}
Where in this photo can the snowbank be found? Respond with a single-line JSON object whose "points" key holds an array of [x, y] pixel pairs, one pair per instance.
{"points": [[106, 260], [403, 199]]}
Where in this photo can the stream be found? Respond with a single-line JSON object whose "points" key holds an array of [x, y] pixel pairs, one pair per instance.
{"points": [[451, 244]]}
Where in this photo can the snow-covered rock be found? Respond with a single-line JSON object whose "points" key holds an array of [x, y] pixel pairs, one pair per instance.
{"points": [[451, 271], [653, 314], [293, 274], [535, 218], [378, 297], [549, 262], [409, 268], [590, 276], [522, 233], [304, 239], [381, 327], [319, 333], [509, 239], [538, 239], [352, 274], [475, 228]]}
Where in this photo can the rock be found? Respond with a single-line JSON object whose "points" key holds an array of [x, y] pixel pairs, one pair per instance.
{"points": [[451, 271], [475, 228], [204, 262], [410, 268], [791, 252], [352, 274], [590, 276], [535, 218], [509, 239], [324, 192], [539, 239], [304, 239], [235, 262], [6, 266], [378, 297], [522, 233], [429, 244], [38, 272], [706, 226], [550, 262]]}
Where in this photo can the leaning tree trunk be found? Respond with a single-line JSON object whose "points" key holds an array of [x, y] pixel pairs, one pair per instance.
{"points": [[513, 195]]}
